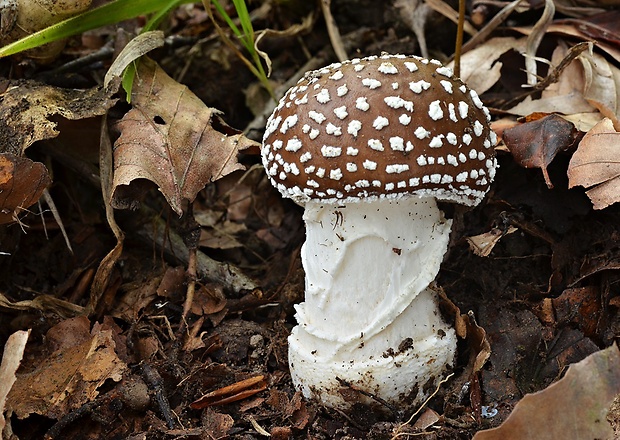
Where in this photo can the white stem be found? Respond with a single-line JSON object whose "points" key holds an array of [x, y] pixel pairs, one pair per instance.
{"points": [[369, 317]]}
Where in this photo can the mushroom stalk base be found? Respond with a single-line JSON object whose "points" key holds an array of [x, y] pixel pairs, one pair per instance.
{"points": [[370, 321]]}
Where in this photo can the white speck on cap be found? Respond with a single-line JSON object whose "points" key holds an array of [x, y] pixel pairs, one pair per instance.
{"points": [[354, 127], [341, 112], [352, 151], [293, 145], [396, 168], [477, 102], [316, 116], [370, 165], [323, 96], [342, 90], [436, 142], [397, 143], [412, 67], [445, 71], [351, 167], [388, 68], [478, 128], [467, 138], [333, 129], [452, 112], [330, 151], [398, 102], [375, 144], [421, 133], [419, 86], [434, 110], [371, 83], [404, 119], [463, 108], [302, 100], [335, 174], [314, 133], [447, 85], [337, 75], [380, 122], [362, 104]]}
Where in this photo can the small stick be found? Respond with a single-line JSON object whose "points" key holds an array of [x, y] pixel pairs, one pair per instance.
{"points": [[459, 39]]}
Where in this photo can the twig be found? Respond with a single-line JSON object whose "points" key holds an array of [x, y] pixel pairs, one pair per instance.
{"points": [[458, 45], [152, 378], [332, 31], [171, 242], [397, 432]]}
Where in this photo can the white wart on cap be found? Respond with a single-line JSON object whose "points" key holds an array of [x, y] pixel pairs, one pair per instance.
{"points": [[380, 127]]}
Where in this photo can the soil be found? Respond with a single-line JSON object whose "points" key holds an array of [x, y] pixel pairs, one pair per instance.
{"points": [[545, 296]]}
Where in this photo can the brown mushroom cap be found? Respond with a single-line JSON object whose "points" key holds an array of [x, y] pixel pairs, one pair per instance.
{"points": [[380, 127]]}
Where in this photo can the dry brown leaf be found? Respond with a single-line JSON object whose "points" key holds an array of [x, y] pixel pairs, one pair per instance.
{"points": [[172, 139], [483, 244], [596, 165], [481, 68], [602, 85], [535, 144], [67, 378], [564, 96], [26, 107], [573, 408], [11, 360], [22, 182]]}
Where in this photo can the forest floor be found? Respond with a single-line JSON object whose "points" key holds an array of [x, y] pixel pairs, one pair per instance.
{"points": [[108, 354]]}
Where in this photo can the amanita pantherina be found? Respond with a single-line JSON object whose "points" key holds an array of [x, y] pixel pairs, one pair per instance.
{"points": [[368, 146]]}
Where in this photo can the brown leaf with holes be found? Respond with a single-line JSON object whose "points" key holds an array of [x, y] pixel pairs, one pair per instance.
{"points": [[596, 165], [574, 407], [172, 139], [22, 182], [535, 144], [27, 109]]}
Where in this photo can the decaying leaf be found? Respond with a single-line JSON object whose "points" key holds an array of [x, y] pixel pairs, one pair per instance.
{"points": [[602, 85], [575, 407], [70, 376], [11, 360], [172, 139], [535, 144], [22, 182], [595, 165], [26, 108], [483, 244], [481, 67]]}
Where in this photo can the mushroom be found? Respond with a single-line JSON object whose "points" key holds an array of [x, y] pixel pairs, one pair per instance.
{"points": [[368, 147]]}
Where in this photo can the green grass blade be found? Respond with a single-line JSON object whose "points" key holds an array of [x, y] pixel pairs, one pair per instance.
{"points": [[107, 14], [231, 24], [246, 22]]}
